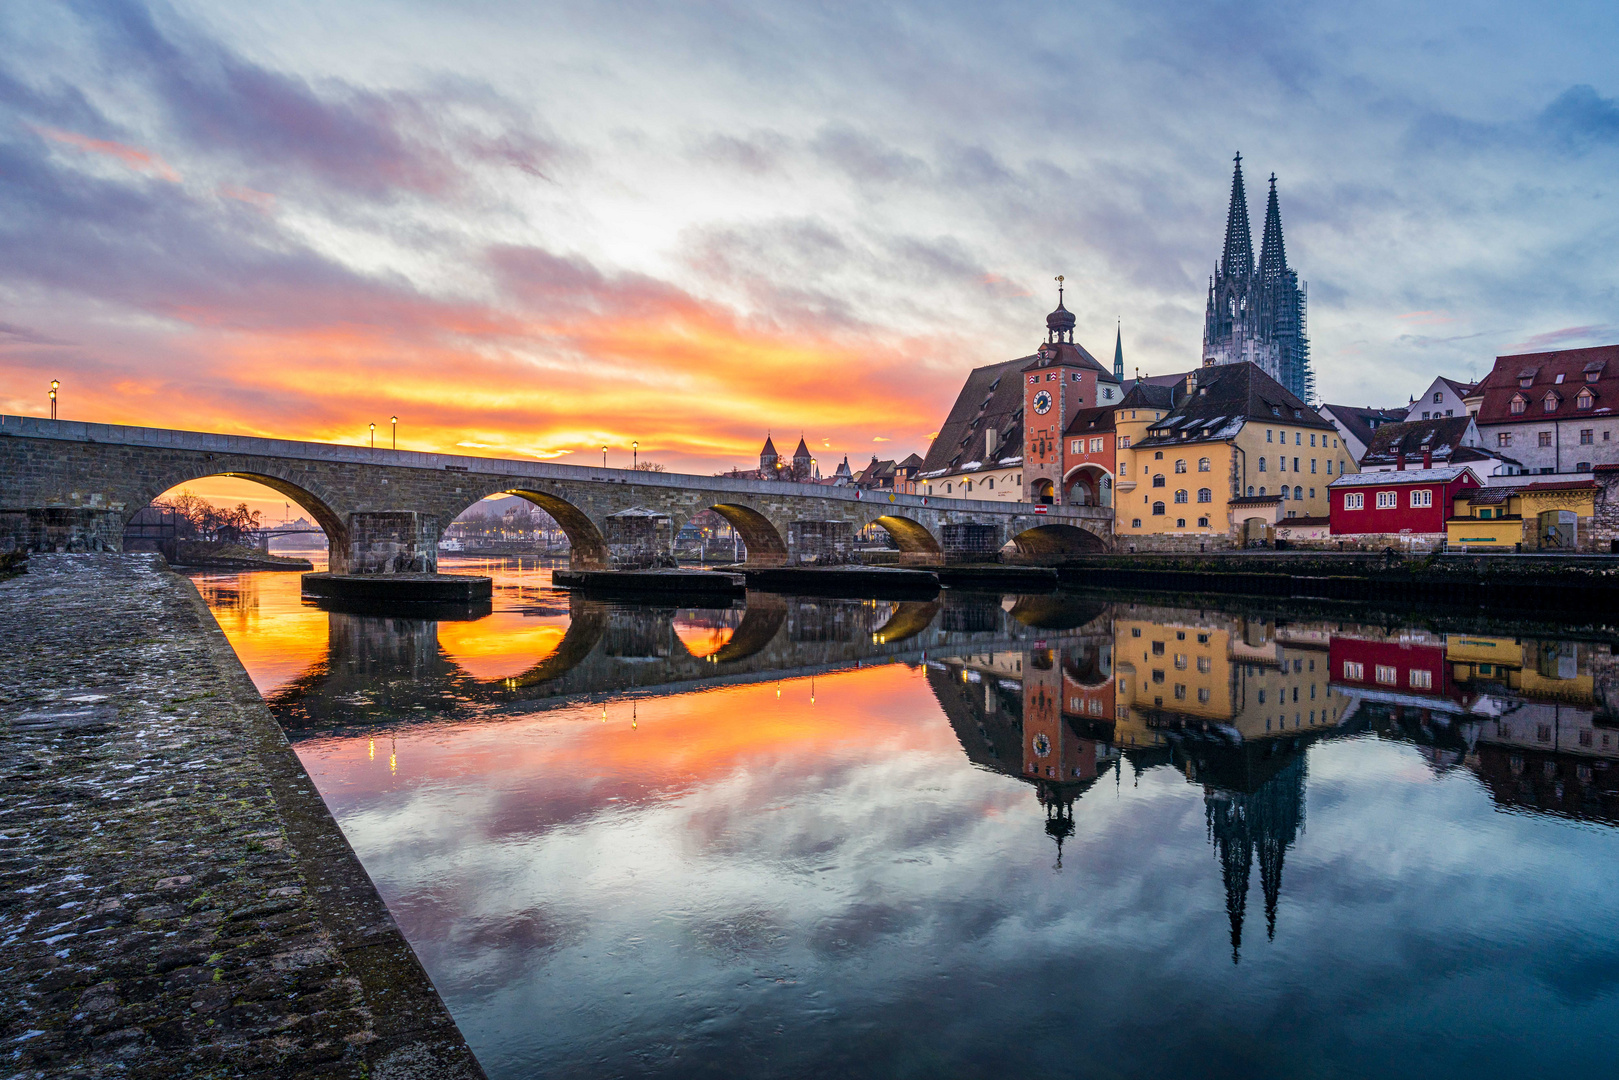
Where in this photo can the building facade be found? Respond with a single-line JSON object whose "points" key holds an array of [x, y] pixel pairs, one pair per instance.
{"points": [[1256, 313], [1357, 426], [1398, 508], [1556, 412]]}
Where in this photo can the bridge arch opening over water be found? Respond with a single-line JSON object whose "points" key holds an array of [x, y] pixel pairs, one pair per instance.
{"points": [[587, 546], [1054, 539], [260, 483], [915, 542], [766, 545]]}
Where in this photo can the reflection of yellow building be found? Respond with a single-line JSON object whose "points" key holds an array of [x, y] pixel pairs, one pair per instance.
{"points": [[1174, 668]]}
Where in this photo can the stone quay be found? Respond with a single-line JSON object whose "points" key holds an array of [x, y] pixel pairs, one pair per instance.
{"points": [[177, 900]]}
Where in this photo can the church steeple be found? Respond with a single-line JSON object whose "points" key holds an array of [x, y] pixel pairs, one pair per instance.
{"points": [[1238, 259], [1272, 255], [1118, 353]]}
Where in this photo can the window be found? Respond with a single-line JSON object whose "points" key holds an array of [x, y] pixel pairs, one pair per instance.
{"points": [[1202, 522], [1298, 436], [1329, 467], [1312, 493], [1180, 496], [1354, 670], [1180, 691], [1203, 695], [1124, 442], [1261, 464], [1202, 464], [1135, 523], [1486, 514], [1582, 466], [1587, 436], [1180, 465], [1180, 661], [1107, 393], [1157, 508], [1422, 497], [1281, 464], [1421, 680], [1388, 500], [1268, 433], [1158, 648], [1205, 495], [1159, 456], [1586, 400], [990, 483], [1312, 440], [1295, 464], [1205, 665], [1545, 438], [1298, 493], [1504, 439], [1312, 464], [1158, 481], [968, 485], [1549, 402], [1388, 674], [1096, 446], [1284, 491], [1075, 449], [1202, 639], [1261, 490], [947, 489], [1250, 491], [1519, 404]]}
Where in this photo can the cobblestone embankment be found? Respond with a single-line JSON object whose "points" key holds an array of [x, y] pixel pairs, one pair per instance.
{"points": [[175, 899]]}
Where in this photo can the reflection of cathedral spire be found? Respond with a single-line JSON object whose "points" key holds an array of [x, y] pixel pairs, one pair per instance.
{"points": [[1059, 804], [1268, 819]]}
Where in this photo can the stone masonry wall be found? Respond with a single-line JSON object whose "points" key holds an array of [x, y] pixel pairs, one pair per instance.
{"points": [[179, 902]]}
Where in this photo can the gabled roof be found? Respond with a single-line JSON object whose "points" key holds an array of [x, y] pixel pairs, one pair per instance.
{"points": [[990, 400], [803, 450], [912, 462], [1362, 422], [1057, 353], [1457, 387], [1543, 371], [1409, 476], [1227, 396], [1153, 395], [1441, 438], [1092, 421]]}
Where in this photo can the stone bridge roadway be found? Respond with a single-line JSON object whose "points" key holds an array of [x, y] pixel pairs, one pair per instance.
{"points": [[384, 670], [66, 485]]}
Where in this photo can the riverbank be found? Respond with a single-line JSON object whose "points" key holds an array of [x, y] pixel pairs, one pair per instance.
{"points": [[179, 901], [195, 555]]}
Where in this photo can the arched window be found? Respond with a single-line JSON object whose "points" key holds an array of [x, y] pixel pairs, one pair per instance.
{"points": [[1261, 464], [1158, 481], [1298, 493], [1261, 489], [1159, 456], [1519, 404], [1180, 523], [1284, 491], [1205, 494], [1203, 523], [1202, 464], [1180, 496], [1180, 465], [1250, 491], [1158, 508], [1585, 401]]}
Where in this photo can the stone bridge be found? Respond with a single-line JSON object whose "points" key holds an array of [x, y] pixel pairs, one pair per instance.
{"points": [[72, 486]]}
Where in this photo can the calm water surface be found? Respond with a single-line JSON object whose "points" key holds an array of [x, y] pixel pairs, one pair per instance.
{"points": [[987, 836]]}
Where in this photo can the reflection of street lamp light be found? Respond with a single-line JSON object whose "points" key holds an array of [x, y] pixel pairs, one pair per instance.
{"points": [[396, 432], [373, 436], [54, 385], [635, 455]]}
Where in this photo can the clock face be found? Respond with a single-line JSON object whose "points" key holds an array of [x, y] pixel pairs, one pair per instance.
{"points": [[1042, 402]]}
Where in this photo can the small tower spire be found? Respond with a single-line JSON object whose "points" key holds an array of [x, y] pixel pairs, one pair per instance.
{"points": [[1118, 352]]}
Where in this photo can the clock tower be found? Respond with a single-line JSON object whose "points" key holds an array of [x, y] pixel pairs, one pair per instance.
{"points": [[1061, 379]]}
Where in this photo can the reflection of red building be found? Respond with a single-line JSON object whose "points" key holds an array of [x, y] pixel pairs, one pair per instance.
{"points": [[1052, 750], [1392, 669]]}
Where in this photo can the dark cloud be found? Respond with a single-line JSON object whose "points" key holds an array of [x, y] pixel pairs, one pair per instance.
{"points": [[866, 159], [1580, 118]]}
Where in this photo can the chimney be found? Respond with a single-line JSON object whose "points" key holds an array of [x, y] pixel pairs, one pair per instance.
{"points": [[989, 444], [1399, 460], [1427, 457]]}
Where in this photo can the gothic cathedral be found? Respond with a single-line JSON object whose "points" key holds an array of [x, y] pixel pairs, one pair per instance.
{"points": [[1257, 314]]}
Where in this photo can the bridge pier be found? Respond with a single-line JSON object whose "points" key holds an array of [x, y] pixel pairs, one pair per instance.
{"points": [[392, 542], [62, 528]]}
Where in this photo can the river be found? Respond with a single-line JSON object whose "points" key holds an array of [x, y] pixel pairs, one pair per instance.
{"points": [[986, 836]]}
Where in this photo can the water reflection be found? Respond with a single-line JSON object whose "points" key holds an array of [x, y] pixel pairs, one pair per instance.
{"points": [[797, 836]]}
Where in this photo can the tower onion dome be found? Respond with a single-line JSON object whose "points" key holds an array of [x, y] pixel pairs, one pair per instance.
{"points": [[1060, 323]]}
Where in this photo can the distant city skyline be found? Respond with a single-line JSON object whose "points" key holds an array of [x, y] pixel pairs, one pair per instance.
{"points": [[532, 232]]}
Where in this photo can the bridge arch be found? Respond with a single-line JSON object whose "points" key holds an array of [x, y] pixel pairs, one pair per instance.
{"points": [[316, 503], [587, 546], [1054, 539], [915, 542], [1087, 484], [766, 545]]}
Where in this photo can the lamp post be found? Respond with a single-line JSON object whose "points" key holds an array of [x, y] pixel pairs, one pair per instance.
{"points": [[373, 436], [396, 432], [54, 385], [635, 455], [604, 455]]}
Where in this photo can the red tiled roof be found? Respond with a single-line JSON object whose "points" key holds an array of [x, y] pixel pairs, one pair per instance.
{"points": [[1559, 485], [1543, 370]]}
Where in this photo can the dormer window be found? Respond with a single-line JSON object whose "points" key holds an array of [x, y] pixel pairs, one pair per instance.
{"points": [[1549, 402], [1519, 404], [1586, 399]]}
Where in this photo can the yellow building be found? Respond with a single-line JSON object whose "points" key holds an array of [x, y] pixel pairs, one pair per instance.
{"points": [[1550, 515], [1218, 460]]}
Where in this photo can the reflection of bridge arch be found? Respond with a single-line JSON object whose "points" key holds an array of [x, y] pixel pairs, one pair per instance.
{"points": [[1056, 539], [587, 622], [1088, 663], [766, 546], [909, 618], [761, 622], [315, 503]]}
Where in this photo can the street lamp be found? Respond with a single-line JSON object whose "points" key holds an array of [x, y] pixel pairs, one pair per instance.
{"points": [[604, 455], [635, 455], [373, 436], [54, 385], [396, 432]]}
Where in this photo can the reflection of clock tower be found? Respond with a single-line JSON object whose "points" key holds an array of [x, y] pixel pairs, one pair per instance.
{"points": [[1061, 381]]}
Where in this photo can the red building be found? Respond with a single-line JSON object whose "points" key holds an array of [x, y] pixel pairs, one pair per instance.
{"points": [[1409, 503], [1062, 379], [1088, 461]]}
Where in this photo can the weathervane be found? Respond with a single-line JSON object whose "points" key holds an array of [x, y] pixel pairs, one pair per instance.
{"points": [[1059, 290]]}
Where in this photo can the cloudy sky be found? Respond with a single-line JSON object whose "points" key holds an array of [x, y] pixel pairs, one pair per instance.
{"points": [[534, 229]]}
